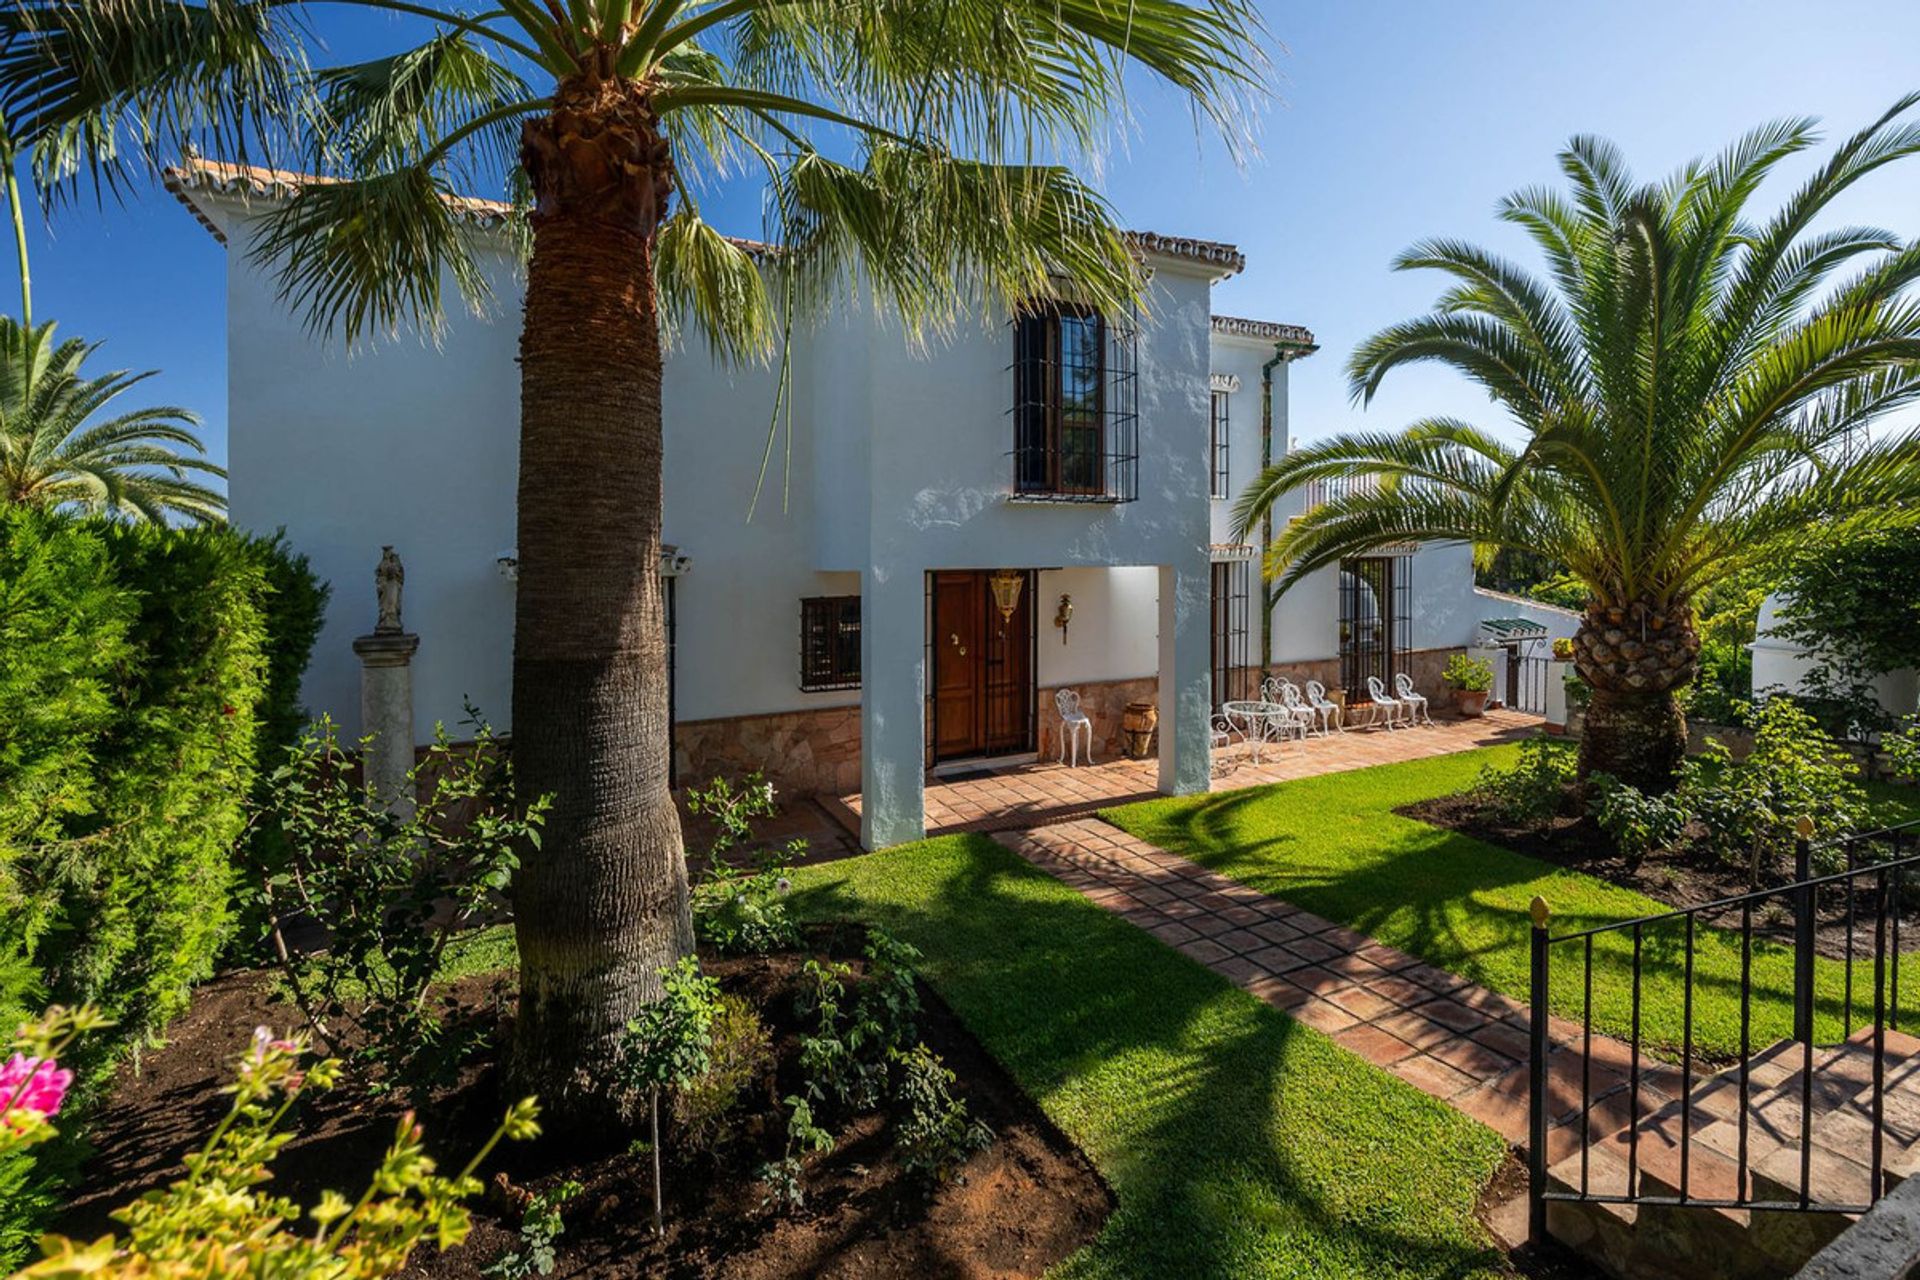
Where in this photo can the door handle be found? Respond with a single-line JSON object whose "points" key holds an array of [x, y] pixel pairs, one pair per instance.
{"points": [[954, 639]]}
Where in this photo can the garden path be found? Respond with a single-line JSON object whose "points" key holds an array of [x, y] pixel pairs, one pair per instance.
{"points": [[1458, 1042]]}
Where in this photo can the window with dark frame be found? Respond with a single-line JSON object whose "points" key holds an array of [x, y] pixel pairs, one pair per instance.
{"points": [[1221, 433], [1060, 376], [1232, 675], [1376, 621], [829, 643]]}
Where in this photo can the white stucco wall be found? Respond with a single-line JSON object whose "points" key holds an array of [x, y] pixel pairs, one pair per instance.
{"points": [[889, 462], [1780, 664]]}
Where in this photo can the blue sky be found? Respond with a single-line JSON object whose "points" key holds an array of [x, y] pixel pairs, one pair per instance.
{"points": [[1396, 120]]}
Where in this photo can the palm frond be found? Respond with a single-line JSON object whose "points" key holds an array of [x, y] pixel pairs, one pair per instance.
{"points": [[104, 89]]}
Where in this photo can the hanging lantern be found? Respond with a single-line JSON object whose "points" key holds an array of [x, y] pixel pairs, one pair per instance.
{"points": [[1006, 591]]}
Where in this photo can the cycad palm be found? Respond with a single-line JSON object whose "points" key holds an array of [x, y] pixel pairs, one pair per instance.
{"points": [[610, 116], [1690, 391], [138, 465]]}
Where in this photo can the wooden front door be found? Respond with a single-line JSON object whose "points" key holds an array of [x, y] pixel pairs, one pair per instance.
{"points": [[982, 701]]}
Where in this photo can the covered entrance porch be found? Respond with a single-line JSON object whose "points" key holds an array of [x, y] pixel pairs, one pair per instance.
{"points": [[954, 681]]}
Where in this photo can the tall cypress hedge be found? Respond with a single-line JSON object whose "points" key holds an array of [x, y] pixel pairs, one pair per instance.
{"points": [[145, 673]]}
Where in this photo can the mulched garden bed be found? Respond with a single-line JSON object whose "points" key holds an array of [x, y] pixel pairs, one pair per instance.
{"points": [[1676, 879], [1026, 1202]]}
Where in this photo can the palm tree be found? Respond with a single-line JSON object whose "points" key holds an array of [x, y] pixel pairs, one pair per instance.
{"points": [[1685, 394], [52, 453], [911, 148]]}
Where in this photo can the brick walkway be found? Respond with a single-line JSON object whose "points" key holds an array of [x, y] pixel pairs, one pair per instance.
{"points": [[1459, 1042], [1023, 797]]}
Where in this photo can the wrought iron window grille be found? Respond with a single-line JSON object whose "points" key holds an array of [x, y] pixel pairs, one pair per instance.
{"points": [[1222, 429], [829, 643], [1076, 405]]}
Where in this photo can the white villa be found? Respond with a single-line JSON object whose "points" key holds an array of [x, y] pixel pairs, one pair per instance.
{"points": [[1041, 502]]}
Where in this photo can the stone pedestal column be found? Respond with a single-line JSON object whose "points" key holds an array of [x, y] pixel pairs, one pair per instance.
{"points": [[386, 714]]}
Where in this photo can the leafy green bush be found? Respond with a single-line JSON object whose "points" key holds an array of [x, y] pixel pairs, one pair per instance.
{"points": [[1536, 787], [542, 1222], [389, 890], [136, 666], [1751, 809], [1747, 812], [932, 1130], [1639, 824], [139, 670], [739, 911], [739, 1054], [1468, 674], [1724, 685], [1903, 752]]}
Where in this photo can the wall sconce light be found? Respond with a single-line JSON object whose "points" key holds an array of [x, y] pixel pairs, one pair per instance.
{"points": [[1063, 615]]}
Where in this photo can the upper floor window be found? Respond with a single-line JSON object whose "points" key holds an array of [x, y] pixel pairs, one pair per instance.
{"points": [[1075, 405], [830, 643], [1221, 434]]}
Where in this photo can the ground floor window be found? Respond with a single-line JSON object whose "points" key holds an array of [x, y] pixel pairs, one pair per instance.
{"points": [[829, 643], [1376, 621], [1232, 676]]}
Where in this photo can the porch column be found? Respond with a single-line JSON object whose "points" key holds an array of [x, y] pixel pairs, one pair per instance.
{"points": [[892, 707], [1186, 679]]}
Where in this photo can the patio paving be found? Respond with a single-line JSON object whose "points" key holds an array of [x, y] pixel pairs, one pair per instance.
{"points": [[1460, 1043], [1034, 795]]}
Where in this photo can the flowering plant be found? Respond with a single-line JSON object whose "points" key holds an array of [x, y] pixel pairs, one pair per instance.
{"points": [[33, 1083], [219, 1222]]}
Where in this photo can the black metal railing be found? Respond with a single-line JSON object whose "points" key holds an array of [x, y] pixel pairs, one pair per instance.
{"points": [[1865, 890]]}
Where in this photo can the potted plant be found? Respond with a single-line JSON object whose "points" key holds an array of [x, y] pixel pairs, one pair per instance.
{"points": [[1470, 679]]}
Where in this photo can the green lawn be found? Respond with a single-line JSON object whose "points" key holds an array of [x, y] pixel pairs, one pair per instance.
{"points": [[1237, 1142], [1334, 846]]}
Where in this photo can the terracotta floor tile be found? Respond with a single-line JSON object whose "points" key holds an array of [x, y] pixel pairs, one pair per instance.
{"points": [[1373, 1044]]}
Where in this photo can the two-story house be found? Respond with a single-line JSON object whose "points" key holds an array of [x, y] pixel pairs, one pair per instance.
{"points": [[943, 539]]}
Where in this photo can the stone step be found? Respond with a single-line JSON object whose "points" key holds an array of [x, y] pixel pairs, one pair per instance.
{"points": [[1661, 1240]]}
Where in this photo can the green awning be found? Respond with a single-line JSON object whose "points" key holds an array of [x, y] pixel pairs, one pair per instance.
{"points": [[1503, 629]]}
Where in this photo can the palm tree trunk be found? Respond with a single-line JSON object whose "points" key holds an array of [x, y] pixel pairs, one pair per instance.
{"points": [[1639, 738], [1636, 658], [602, 906]]}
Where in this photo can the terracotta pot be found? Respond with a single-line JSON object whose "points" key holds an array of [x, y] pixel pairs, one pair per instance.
{"points": [[1471, 703]]}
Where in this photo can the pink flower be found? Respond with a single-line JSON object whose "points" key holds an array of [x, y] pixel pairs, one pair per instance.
{"points": [[33, 1084]]}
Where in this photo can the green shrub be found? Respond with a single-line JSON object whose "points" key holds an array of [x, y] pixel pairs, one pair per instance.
{"points": [[739, 1055], [738, 911], [1468, 674], [1903, 752], [1724, 685], [390, 891], [1752, 808], [1639, 824], [136, 666], [1534, 788], [932, 1130]]}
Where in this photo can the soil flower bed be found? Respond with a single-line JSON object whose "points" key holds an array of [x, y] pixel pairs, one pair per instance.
{"points": [[1024, 1203]]}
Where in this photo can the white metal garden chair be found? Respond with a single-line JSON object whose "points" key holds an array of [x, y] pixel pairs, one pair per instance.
{"points": [[1220, 735], [1324, 708], [1386, 709], [1416, 702], [1290, 718], [1073, 723], [1304, 716]]}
